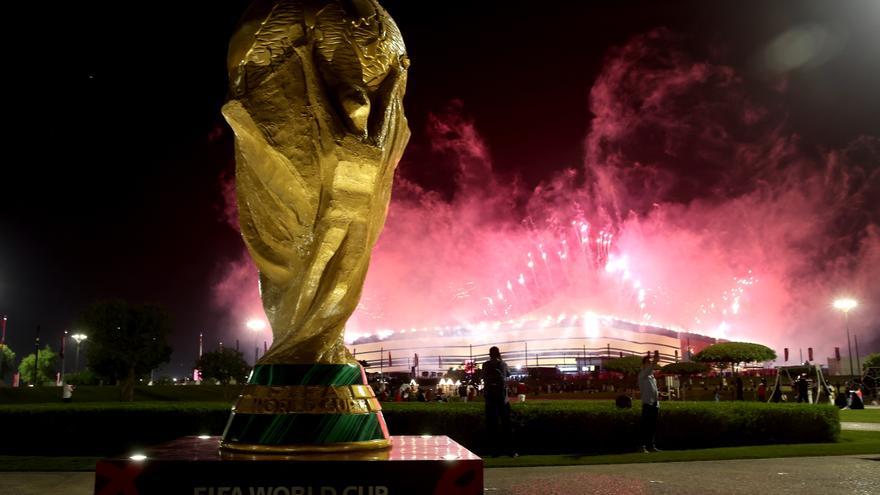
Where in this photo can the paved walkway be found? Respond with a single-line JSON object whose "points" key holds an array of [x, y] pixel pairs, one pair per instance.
{"points": [[850, 425], [840, 475], [843, 475], [13, 483]]}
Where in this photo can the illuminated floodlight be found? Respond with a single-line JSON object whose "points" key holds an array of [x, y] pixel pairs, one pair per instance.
{"points": [[256, 324], [138, 457], [845, 304]]}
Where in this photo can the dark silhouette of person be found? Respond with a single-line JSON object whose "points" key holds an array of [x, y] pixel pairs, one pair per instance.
{"points": [[650, 402], [739, 389], [856, 395], [777, 394], [802, 387], [841, 397], [495, 373]]}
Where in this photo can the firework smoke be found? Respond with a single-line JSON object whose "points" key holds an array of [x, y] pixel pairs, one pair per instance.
{"points": [[695, 209]]}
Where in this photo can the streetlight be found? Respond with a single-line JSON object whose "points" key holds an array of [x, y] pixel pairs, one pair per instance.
{"points": [[63, 357], [846, 304], [78, 337], [2, 340], [256, 325]]}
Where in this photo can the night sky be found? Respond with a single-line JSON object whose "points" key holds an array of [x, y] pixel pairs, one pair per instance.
{"points": [[115, 147]]}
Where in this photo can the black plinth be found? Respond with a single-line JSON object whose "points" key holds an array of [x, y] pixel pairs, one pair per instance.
{"points": [[431, 465]]}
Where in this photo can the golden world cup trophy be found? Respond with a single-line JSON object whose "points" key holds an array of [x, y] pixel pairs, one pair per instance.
{"points": [[316, 90]]}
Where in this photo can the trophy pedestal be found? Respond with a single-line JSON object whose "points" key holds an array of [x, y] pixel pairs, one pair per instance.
{"points": [[197, 466], [298, 408]]}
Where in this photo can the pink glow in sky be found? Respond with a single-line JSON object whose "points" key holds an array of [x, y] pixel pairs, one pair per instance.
{"points": [[695, 209]]}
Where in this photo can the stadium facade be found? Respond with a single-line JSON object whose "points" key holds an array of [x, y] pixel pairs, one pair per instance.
{"points": [[570, 343]]}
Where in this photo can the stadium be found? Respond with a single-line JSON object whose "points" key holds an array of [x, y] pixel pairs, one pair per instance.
{"points": [[571, 343]]}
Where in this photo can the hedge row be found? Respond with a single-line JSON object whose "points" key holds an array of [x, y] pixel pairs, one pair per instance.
{"points": [[539, 427], [94, 393], [102, 429], [591, 427]]}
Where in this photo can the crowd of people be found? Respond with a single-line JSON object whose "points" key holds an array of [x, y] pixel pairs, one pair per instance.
{"points": [[411, 391]]}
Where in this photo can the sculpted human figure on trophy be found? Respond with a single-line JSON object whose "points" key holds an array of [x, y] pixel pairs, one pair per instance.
{"points": [[316, 106]]}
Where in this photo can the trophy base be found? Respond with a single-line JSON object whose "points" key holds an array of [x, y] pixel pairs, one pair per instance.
{"points": [[290, 408], [250, 448], [426, 465]]}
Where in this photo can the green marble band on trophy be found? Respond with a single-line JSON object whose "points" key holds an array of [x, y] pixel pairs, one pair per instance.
{"points": [[296, 408]]}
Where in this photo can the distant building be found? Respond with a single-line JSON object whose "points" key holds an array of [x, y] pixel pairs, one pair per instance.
{"points": [[841, 367], [569, 343]]}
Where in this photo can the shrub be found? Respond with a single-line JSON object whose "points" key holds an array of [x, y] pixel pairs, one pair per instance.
{"points": [[82, 378], [104, 428], [540, 427], [589, 427]]}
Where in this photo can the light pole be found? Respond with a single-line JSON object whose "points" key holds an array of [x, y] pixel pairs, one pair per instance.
{"points": [[63, 357], [846, 304], [78, 337], [2, 344], [36, 380], [256, 325]]}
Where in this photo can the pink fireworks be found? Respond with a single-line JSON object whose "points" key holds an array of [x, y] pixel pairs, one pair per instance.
{"points": [[752, 253]]}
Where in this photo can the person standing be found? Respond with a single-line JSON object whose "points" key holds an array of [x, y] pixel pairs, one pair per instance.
{"points": [[802, 388], [495, 373], [762, 390], [740, 392], [777, 393], [67, 392], [650, 402], [521, 391]]}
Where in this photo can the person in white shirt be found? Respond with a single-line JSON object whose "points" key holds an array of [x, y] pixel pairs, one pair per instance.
{"points": [[67, 392], [650, 402]]}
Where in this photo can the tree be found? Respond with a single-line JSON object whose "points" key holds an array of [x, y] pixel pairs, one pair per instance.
{"points": [[7, 360], [871, 361], [45, 368], [84, 377], [684, 368], [628, 365], [732, 353], [126, 341], [223, 366]]}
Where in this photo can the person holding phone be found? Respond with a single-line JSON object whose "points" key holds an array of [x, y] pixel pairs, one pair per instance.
{"points": [[650, 402]]}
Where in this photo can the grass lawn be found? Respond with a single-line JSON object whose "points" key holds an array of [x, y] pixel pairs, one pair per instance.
{"points": [[851, 442], [860, 415]]}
